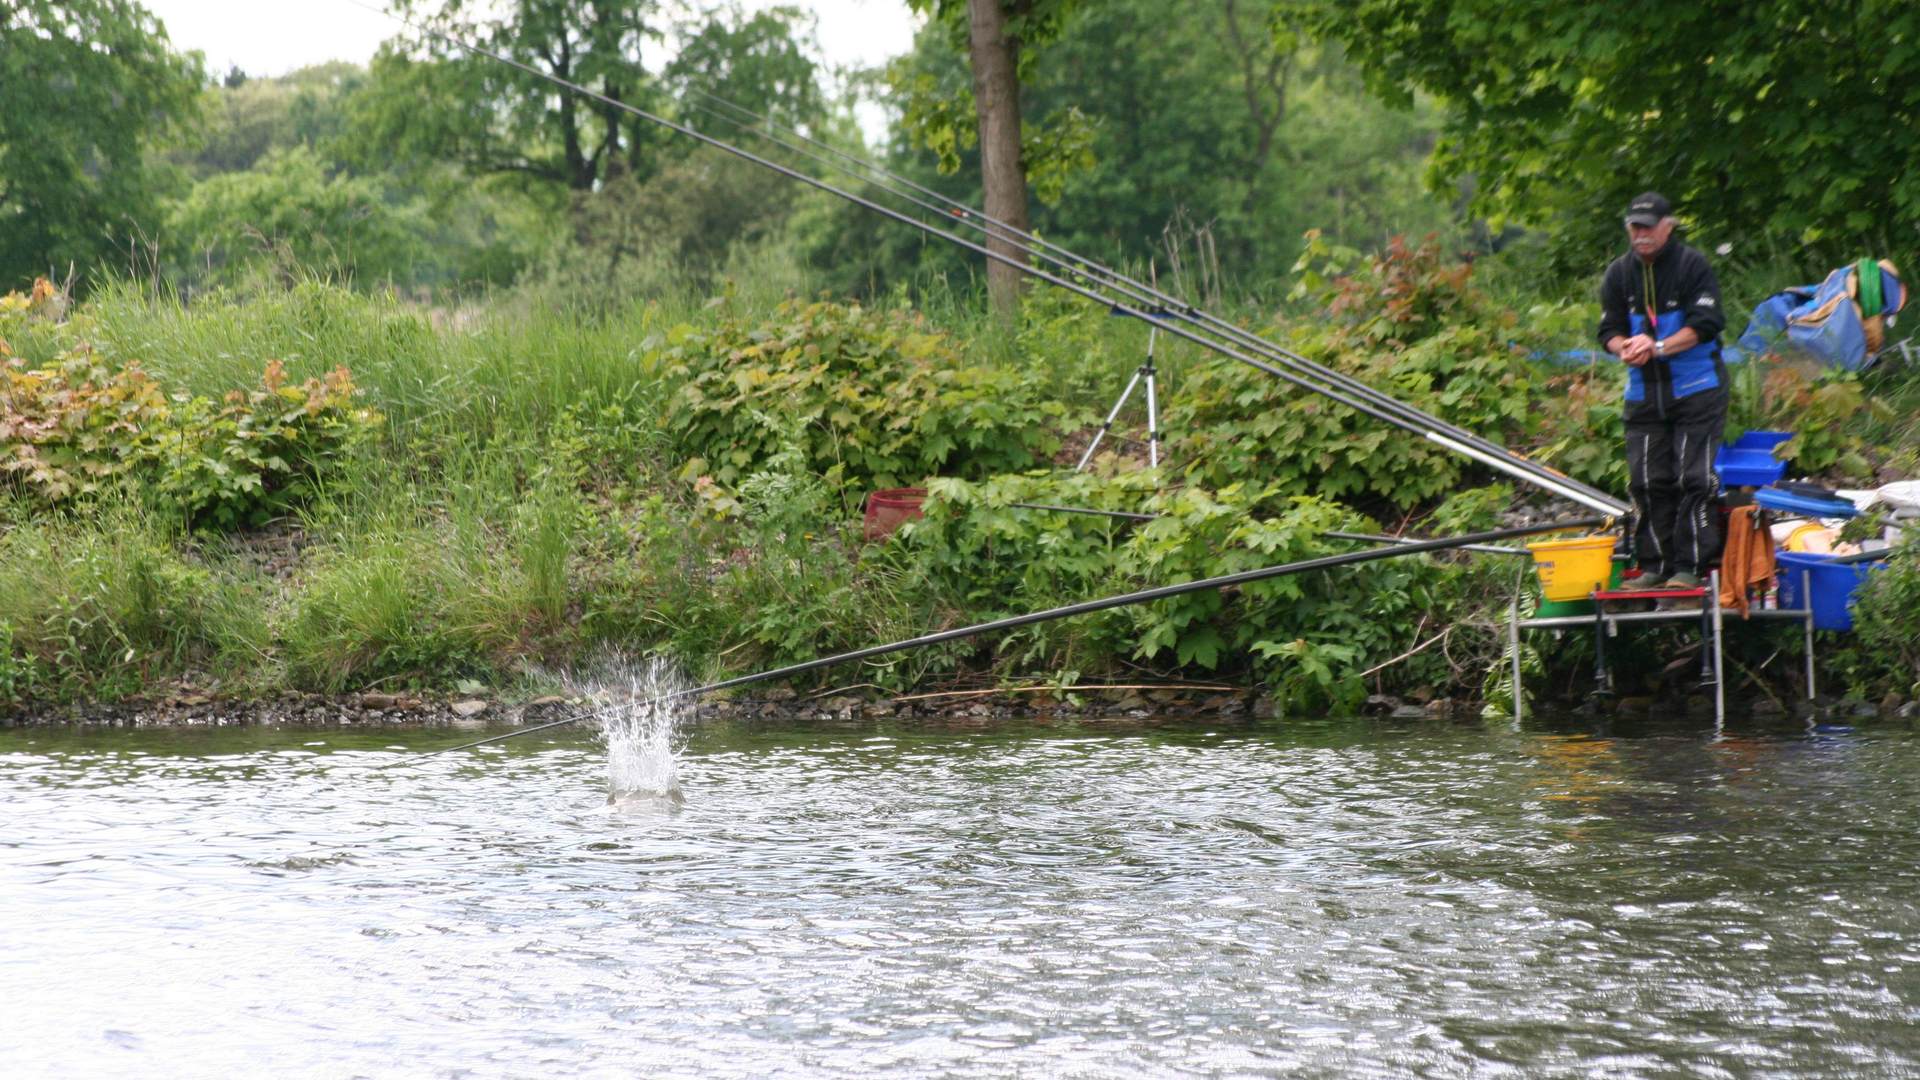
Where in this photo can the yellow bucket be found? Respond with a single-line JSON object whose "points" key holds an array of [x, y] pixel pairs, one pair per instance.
{"points": [[1571, 569]]}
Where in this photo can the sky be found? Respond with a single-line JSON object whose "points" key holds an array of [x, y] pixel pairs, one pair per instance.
{"points": [[273, 37]]}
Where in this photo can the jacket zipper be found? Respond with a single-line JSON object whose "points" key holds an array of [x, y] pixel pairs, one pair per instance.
{"points": [[1652, 295]]}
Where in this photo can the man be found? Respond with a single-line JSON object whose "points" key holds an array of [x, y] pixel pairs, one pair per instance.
{"points": [[1660, 314]]}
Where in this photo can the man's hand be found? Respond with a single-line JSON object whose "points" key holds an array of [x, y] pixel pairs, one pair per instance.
{"points": [[1636, 350]]}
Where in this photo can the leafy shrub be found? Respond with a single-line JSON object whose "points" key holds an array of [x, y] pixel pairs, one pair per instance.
{"points": [[1084, 353], [1306, 635], [877, 399], [1824, 410], [79, 427], [999, 558], [1883, 653], [1580, 419], [35, 324], [1402, 294]]}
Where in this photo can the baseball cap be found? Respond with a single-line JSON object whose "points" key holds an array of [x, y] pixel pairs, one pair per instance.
{"points": [[1647, 208]]}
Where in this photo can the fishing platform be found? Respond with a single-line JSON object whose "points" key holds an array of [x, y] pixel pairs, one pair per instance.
{"points": [[1614, 608]]}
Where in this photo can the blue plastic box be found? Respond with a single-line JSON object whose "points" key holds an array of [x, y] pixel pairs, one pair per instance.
{"points": [[1832, 585], [1749, 462]]}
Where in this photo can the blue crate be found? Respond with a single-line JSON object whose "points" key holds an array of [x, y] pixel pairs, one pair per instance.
{"points": [[1749, 462]]}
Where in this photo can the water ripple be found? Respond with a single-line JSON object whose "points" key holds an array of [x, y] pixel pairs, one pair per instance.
{"points": [[1339, 899]]}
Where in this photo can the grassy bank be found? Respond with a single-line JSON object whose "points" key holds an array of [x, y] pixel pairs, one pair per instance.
{"points": [[312, 489]]}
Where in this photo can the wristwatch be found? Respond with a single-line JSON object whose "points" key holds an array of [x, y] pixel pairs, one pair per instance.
{"points": [[1660, 347]]}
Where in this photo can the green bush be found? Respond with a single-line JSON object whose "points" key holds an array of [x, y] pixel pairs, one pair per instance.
{"points": [[874, 399], [1580, 418], [1883, 654], [78, 425], [1827, 411], [288, 211]]}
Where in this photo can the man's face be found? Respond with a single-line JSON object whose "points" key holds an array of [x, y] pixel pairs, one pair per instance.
{"points": [[1647, 240]]}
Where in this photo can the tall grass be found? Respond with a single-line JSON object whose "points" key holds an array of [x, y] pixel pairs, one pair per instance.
{"points": [[106, 602], [515, 373]]}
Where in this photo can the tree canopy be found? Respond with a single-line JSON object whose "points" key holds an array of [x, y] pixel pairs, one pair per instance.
{"points": [[440, 101], [758, 62], [1232, 125], [1773, 117], [1200, 123], [86, 87]]}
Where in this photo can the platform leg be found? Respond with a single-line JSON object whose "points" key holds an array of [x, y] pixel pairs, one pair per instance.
{"points": [[1513, 642], [1602, 678], [1719, 653], [1706, 643], [1113, 413], [1153, 405], [1806, 618]]}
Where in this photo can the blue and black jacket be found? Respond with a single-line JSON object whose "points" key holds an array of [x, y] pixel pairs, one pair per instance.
{"points": [[1677, 289]]}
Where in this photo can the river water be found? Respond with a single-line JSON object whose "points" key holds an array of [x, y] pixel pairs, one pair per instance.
{"points": [[1329, 898]]}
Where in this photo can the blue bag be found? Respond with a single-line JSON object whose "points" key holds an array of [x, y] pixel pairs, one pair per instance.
{"points": [[1825, 321], [1827, 327]]}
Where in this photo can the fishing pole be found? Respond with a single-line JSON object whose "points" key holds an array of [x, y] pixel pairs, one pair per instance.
{"points": [[1331, 534], [1371, 538], [1456, 439], [1085, 607], [1346, 391], [764, 127]]}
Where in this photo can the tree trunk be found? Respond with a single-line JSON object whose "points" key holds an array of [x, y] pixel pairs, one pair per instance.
{"points": [[1003, 177]]}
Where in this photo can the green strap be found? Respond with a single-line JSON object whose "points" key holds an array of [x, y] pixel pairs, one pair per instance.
{"points": [[1869, 296]]}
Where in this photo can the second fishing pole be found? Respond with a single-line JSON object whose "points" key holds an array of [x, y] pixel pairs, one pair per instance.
{"points": [[1087, 607]]}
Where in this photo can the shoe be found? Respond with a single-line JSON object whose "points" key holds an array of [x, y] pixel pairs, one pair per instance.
{"points": [[1646, 581], [1684, 580]]}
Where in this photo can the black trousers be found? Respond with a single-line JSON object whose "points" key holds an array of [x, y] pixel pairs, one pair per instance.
{"points": [[1674, 488]]}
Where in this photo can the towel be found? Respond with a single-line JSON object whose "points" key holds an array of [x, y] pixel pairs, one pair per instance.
{"points": [[1747, 559]]}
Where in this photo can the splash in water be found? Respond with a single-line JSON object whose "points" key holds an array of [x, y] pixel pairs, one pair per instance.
{"points": [[640, 725]]}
